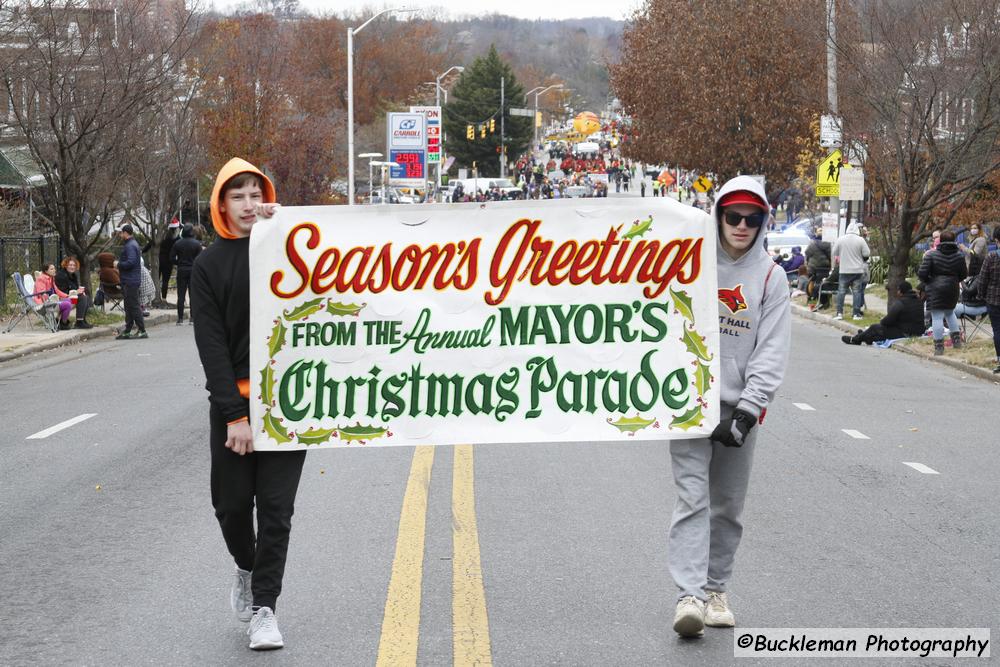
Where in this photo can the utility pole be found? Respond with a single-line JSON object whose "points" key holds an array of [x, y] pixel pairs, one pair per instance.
{"points": [[831, 87], [503, 155]]}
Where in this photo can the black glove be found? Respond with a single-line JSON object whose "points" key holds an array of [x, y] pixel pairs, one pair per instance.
{"points": [[733, 432]]}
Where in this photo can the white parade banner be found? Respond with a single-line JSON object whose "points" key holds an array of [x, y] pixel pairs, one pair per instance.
{"points": [[510, 322]]}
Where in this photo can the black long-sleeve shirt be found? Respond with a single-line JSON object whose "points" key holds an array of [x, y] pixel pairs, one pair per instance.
{"points": [[220, 294]]}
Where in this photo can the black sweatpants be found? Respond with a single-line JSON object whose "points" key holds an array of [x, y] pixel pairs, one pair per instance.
{"points": [[183, 281], [133, 310], [876, 333], [270, 478], [166, 268], [82, 306]]}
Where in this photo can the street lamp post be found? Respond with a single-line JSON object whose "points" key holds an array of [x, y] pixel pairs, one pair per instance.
{"points": [[437, 103], [350, 97], [384, 166], [534, 120], [370, 156]]}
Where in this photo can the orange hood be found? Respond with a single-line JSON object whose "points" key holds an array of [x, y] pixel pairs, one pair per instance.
{"points": [[230, 169]]}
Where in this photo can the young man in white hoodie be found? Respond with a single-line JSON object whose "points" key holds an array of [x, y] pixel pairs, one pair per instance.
{"points": [[712, 474]]}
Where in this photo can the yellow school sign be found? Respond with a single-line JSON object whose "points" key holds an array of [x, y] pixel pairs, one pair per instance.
{"points": [[828, 175]]}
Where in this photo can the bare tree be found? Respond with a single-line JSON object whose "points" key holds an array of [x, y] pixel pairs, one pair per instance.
{"points": [[83, 81], [924, 80], [158, 175]]}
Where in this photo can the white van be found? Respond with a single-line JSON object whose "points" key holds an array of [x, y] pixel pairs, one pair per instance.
{"points": [[470, 185]]}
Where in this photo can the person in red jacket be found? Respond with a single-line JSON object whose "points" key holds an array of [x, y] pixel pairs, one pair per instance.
{"points": [[241, 478], [45, 285]]}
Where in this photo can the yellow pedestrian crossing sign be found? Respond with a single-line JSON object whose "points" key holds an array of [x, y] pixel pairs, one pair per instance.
{"points": [[702, 184], [828, 174]]}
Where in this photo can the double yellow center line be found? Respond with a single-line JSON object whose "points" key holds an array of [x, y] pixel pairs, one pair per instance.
{"points": [[401, 621]]}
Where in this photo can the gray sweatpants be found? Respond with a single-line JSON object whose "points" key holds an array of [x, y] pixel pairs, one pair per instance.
{"points": [[711, 482]]}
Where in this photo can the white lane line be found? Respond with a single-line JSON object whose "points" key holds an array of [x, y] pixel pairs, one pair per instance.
{"points": [[857, 435], [804, 406], [920, 467], [60, 426]]}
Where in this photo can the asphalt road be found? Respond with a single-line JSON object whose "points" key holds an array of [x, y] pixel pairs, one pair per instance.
{"points": [[840, 532]]}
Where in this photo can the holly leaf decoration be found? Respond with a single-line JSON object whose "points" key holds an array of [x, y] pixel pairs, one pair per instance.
{"points": [[631, 424], [273, 427], [277, 340], [639, 228], [359, 432], [267, 382], [304, 310], [343, 309], [702, 378], [689, 419], [316, 436], [695, 344], [683, 304]]}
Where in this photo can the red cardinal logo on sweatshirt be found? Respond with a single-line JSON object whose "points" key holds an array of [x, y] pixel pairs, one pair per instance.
{"points": [[733, 298]]}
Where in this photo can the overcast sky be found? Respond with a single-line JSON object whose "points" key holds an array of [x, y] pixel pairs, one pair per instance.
{"points": [[527, 9]]}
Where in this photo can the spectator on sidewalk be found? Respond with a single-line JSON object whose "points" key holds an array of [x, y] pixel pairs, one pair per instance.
{"points": [[941, 271], [183, 255], [970, 304], [818, 263], [976, 250], [108, 273], [988, 288], [130, 268], [45, 288], [68, 281], [850, 255], [166, 245], [905, 318], [792, 263]]}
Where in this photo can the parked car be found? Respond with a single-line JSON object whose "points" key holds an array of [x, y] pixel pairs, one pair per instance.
{"points": [[783, 242], [578, 191]]}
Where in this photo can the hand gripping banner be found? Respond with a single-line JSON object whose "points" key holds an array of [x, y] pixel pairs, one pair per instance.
{"points": [[512, 322]]}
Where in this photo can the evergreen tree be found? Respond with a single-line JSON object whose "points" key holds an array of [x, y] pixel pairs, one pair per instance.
{"points": [[475, 100]]}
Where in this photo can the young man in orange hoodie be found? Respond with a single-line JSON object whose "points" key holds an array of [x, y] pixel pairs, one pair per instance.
{"points": [[241, 478]]}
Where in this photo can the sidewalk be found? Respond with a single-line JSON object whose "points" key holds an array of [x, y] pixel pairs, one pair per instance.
{"points": [[25, 339], [880, 304]]}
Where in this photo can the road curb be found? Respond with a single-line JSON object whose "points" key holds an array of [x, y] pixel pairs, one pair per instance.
{"points": [[80, 335], [846, 327]]}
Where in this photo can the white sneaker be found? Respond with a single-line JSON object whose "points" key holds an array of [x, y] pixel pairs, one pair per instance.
{"points": [[859, 317], [689, 619], [838, 316], [717, 611], [263, 630], [241, 596]]}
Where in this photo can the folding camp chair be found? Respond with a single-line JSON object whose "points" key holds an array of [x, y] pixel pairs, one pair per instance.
{"points": [[46, 312], [975, 324], [114, 295]]}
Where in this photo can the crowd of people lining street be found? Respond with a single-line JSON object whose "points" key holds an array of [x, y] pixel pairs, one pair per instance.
{"points": [[126, 277], [953, 283]]}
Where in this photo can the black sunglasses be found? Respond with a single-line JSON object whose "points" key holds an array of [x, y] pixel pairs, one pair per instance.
{"points": [[753, 221]]}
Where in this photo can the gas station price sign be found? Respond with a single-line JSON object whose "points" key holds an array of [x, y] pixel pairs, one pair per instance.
{"points": [[411, 164]]}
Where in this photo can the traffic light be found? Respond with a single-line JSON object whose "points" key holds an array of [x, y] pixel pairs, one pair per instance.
{"points": [[470, 132], [482, 130], [493, 125]]}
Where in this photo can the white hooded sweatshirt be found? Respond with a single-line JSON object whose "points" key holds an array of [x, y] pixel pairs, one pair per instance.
{"points": [[754, 316]]}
